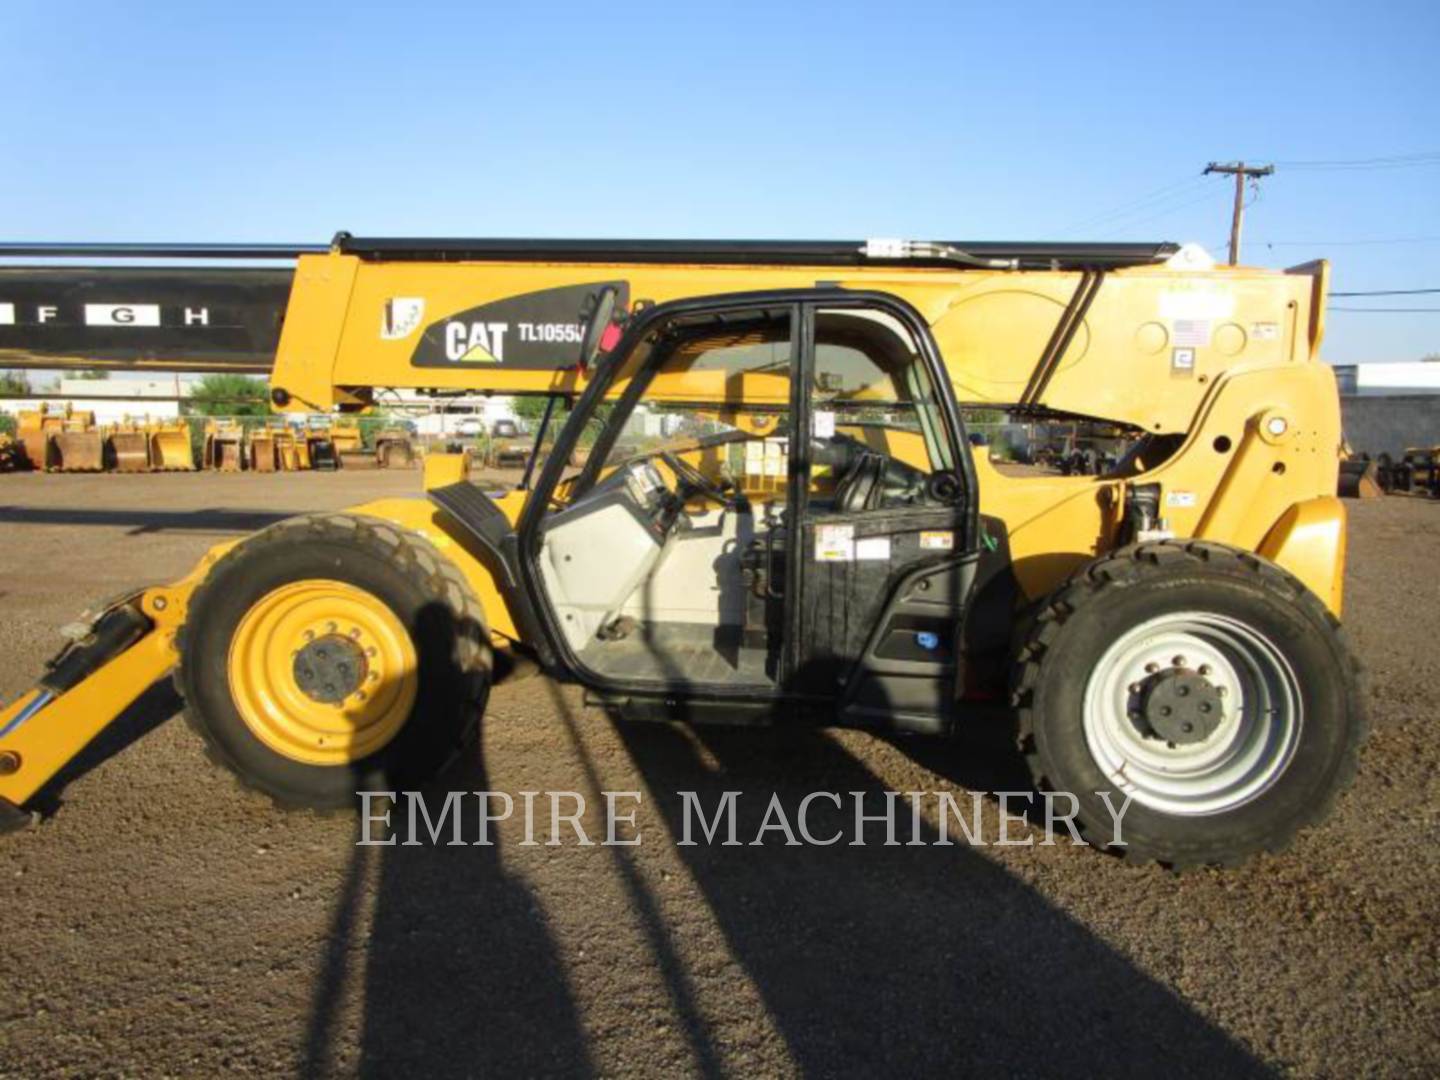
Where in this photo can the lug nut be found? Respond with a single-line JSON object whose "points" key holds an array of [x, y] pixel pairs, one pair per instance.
{"points": [[9, 763], [370, 651], [332, 627], [309, 635], [1134, 688], [1178, 661], [1187, 728], [359, 695], [1165, 710], [1204, 669], [1152, 667], [355, 633]]}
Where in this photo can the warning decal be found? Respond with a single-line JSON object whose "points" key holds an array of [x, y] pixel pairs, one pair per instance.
{"points": [[835, 543]]}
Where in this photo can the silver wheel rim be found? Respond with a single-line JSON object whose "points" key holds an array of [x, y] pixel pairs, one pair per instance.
{"points": [[1253, 743]]}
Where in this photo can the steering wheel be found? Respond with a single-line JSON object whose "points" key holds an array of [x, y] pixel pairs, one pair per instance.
{"points": [[693, 478]]}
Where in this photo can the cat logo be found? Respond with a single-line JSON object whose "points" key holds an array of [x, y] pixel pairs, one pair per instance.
{"points": [[476, 342]]}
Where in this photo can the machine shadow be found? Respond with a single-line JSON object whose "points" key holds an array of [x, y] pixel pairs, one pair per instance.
{"points": [[461, 976], [867, 959], [139, 521], [907, 959]]}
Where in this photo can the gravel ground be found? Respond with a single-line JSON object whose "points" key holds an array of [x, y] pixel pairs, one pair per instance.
{"points": [[162, 922]]}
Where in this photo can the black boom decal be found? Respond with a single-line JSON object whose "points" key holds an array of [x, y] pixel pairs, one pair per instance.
{"points": [[535, 331]]}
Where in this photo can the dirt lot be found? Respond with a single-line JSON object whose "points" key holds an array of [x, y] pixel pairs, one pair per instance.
{"points": [[159, 921]]}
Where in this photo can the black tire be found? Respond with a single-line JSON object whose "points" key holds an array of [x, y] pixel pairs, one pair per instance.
{"points": [[1072, 632], [423, 589]]}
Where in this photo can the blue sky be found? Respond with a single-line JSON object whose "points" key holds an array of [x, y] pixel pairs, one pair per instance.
{"points": [[263, 121]]}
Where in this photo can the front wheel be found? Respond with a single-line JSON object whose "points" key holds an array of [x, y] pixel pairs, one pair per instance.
{"points": [[332, 654], [1202, 684]]}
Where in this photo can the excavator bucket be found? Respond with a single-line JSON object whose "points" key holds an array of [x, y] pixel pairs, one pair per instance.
{"points": [[170, 448], [262, 451], [1359, 479], [286, 457], [129, 450], [393, 449], [346, 438], [228, 457], [78, 448], [33, 433], [322, 454], [224, 447]]}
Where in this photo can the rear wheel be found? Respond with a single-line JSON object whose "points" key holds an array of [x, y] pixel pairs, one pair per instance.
{"points": [[1205, 685], [333, 654]]}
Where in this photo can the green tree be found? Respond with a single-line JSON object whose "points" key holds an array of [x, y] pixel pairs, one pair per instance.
{"points": [[13, 383], [229, 395], [529, 408], [93, 375]]}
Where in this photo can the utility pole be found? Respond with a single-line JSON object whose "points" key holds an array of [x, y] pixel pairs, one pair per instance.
{"points": [[1241, 172]]}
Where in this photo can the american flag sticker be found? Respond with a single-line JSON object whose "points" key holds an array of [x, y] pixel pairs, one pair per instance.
{"points": [[1192, 333]]}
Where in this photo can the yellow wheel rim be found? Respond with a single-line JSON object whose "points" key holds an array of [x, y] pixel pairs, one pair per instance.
{"points": [[322, 672]]}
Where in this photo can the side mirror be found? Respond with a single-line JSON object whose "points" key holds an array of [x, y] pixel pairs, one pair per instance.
{"points": [[943, 488], [599, 315]]}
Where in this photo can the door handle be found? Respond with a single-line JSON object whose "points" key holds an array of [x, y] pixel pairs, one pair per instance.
{"points": [[771, 592]]}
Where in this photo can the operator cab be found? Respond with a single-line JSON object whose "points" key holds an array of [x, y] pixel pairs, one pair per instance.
{"points": [[704, 543]]}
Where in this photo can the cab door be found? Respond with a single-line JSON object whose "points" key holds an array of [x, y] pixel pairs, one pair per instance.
{"points": [[886, 514]]}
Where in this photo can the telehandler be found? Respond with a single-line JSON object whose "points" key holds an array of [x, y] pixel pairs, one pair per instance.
{"points": [[778, 513]]}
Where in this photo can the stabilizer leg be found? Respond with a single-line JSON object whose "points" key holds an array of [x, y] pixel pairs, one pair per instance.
{"points": [[91, 682]]}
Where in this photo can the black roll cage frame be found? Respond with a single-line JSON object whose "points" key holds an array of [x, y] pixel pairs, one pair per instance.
{"points": [[802, 304]]}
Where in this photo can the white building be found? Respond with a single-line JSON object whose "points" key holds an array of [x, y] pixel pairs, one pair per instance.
{"points": [[114, 399], [1388, 379]]}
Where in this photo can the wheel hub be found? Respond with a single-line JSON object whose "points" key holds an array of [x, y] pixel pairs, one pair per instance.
{"points": [[1180, 706], [330, 669]]}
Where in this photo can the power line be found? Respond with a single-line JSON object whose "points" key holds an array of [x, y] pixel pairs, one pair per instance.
{"points": [[1174, 208], [1387, 292], [1350, 243], [1394, 161], [1137, 205]]}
